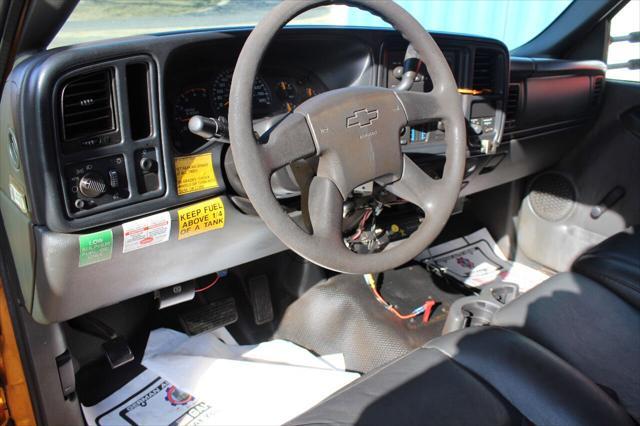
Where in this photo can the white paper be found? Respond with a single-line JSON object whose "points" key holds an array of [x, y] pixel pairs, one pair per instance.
{"points": [[210, 379], [269, 383], [146, 231], [335, 360], [476, 260], [148, 400]]}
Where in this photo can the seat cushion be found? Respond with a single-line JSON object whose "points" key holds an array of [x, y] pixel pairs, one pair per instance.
{"points": [[482, 375], [615, 263], [588, 326], [422, 387]]}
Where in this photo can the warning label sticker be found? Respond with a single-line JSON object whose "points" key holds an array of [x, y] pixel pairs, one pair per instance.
{"points": [[146, 232], [195, 173], [96, 247], [201, 217]]}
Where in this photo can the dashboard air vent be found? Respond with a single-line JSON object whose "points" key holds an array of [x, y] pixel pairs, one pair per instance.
{"points": [[87, 105], [484, 69], [511, 110], [597, 90]]}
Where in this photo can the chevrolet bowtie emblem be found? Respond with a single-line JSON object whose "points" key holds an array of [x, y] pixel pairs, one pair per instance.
{"points": [[362, 118]]}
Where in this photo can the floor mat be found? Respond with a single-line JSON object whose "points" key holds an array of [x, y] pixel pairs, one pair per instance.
{"points": [[341, 315]]}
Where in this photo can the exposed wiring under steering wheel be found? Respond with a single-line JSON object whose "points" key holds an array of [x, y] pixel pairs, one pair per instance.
{"points": [[424, 309]]}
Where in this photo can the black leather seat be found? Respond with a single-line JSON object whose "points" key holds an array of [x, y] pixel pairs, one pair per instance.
{"points": [[615, 263], [591, 317], [479, 376], [567, 352]]}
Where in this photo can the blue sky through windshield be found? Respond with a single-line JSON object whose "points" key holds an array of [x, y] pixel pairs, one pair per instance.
{"points": [[512, 21]]}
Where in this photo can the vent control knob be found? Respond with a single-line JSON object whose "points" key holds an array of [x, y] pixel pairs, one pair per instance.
{"points": [[92, 185]]}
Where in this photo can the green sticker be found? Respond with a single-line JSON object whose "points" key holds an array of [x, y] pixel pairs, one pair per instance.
{"points": [[96, 247]]}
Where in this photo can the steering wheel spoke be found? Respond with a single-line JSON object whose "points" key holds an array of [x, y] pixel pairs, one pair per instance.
{"points": [[325, 210], [421, 107], [415, 186], [288, 141]]}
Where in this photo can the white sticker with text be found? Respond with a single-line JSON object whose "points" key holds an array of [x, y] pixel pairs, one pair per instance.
{"points": [[146, 232]]}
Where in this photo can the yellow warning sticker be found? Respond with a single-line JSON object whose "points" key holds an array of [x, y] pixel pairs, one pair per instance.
{"points": [[195, 173], [201, 217]]}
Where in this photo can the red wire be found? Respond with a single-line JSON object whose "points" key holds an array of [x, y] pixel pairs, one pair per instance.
{"points": [[391, 308], [207, 287], [428, 306], [361, 224]]}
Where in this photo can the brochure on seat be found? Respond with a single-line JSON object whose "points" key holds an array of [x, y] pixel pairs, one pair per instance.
{"points": [[207, 379], [476, 259]]}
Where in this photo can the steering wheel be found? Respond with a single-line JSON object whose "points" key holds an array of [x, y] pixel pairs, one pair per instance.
{"points": [[355, 133]]}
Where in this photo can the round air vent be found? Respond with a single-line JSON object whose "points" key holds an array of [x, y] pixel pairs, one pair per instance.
{"points": [[552, 196]]}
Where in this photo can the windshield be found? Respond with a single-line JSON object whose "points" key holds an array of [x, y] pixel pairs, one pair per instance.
{"points": [[512, 21]]}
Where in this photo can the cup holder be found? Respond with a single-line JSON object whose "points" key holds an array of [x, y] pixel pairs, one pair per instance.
{"points": [[478, 310], [478, 313], [503, 293]]}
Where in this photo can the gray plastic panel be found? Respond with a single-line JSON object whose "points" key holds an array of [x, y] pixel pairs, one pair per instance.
{"points": [[604, 158], [536, 235], [64, 290]]}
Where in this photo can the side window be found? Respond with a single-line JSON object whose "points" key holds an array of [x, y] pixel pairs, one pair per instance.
{"points": [[623, 59]]}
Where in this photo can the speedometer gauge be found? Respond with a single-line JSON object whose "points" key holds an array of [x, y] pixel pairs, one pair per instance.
{"points": [[222, 87]]}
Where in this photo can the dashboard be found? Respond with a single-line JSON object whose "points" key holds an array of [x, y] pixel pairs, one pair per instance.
{"points": [[97, 139], [206, 92]]}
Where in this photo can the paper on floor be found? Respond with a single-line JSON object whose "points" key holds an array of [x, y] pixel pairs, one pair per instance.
{"points": [[148, 400], [151, 400], [476, 260], [219, 382], [268, 383]]}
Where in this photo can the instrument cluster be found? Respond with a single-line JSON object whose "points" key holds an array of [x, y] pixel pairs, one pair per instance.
{"points": [[274, 92]]}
